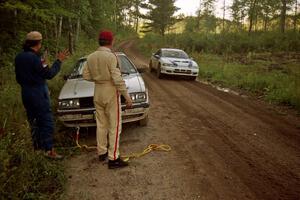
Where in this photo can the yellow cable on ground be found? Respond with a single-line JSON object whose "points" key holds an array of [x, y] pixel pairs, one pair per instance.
{"points": [[82, 146], [151, 147]]}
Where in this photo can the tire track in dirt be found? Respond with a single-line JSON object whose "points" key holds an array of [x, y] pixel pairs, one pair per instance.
{"points": [[219, 181], [252, 171]]}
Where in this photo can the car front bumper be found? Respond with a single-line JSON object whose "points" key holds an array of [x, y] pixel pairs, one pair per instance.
{"points": [[180, 71], [87, 117]]}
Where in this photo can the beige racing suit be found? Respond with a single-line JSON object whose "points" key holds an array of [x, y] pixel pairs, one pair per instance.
{"points": [[101, 68]]}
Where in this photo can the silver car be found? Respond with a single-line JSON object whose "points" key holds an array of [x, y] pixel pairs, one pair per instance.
{"points": [[168, 61], [76, 107]]}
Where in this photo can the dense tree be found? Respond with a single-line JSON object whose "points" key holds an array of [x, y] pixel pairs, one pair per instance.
{"points": [[160, 16], [136, 13], [59, 20]]}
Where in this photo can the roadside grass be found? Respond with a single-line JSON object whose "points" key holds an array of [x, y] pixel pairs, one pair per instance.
{"points": [[275, 76], [280, 86], [24, 174]]}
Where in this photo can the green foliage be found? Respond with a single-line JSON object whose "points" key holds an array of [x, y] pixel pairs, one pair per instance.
{"points": [[276, 86], [160, 16], [24, 174], [228, 42]]}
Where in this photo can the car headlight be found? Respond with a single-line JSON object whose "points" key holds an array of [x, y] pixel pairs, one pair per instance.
{"points": [[138, 97], [167, 64], [69, 103]]}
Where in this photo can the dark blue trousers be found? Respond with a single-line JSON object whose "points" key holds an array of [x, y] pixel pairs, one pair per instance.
{"points": [[36, 101]]}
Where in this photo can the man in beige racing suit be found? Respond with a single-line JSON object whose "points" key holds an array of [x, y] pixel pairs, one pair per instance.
{"points": [[102, 68]]}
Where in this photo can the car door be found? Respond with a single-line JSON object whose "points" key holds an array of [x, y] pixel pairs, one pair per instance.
{"points": [[155, 59]]}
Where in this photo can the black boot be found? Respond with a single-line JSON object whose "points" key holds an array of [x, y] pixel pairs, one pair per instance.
{"points": [[103, 157], [118, 163]]}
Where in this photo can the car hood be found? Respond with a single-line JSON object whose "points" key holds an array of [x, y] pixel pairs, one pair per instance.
{"points": [[78, 88], [179, 61]]}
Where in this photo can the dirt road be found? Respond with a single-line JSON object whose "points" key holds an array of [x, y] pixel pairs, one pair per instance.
{"points": [[223, 147]]}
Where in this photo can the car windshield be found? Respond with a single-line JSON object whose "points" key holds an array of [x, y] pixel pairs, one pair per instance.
{"points": [[125, 65], [174, 54], [77, 72]]}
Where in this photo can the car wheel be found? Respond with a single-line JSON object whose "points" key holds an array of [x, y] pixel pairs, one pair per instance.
{"points": [[144, 122], [193, 78], [150, 66], [158, 72]]}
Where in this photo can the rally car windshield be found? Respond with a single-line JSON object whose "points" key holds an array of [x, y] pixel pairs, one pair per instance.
{"points": [[174, 54]]}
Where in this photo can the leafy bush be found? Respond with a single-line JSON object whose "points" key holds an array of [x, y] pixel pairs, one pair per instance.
{"points": [[227, 42]]}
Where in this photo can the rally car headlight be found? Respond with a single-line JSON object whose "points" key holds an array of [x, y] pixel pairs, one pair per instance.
{"points": [[167, 64], [69, 103], [138, 97]]}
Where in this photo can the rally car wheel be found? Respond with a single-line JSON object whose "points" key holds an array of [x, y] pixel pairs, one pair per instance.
{"points": [[193, 78], [150, 66], [158, 72]]}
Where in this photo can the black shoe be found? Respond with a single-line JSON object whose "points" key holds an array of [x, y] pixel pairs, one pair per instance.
{"points": [[103, 157], [118, 163]]}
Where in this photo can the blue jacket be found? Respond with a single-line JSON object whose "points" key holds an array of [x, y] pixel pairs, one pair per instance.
{"points": [[30, 70], [32, 75]]}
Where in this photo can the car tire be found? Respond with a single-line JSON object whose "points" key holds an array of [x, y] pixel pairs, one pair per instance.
{"points": [[193, 78], [158, 72], [151, 66], [144, 122]]}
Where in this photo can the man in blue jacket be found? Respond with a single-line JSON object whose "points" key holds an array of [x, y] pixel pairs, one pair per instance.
{"points": [[31, 74]]}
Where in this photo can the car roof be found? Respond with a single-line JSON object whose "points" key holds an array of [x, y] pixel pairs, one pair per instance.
{"points": [[117, 53], [171, 49]]}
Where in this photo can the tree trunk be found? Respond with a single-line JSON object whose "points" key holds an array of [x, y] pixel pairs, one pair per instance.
{"points": [[71, 39], [252, 11], [295, 17], [137, 25], [60, 27], [45, 31], [16, 23], [78, 27], [224, 10], [137, 12], [283, 16], [256, 21], [266, 23], [115, 14], [199, 15], [55, 28]]}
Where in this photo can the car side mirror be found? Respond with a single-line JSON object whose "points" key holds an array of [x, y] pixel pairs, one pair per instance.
{"points": [[142, 70], [156, 56]]}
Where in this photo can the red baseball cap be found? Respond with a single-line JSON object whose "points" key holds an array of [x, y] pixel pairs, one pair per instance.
{"points": [[106, 35]]}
